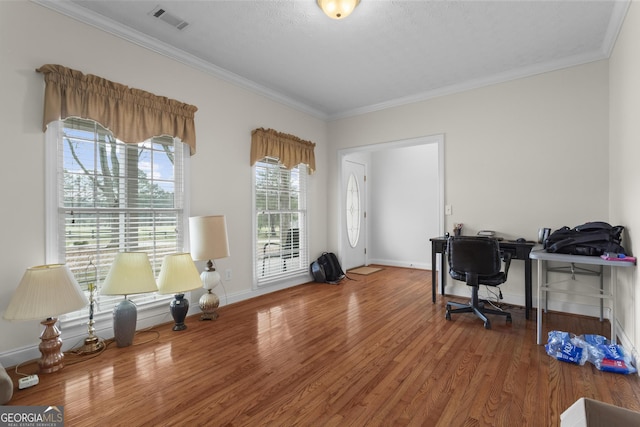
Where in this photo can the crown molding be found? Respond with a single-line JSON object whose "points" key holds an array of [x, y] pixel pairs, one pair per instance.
{"points": [[475, 84], [618, 14], [91, 18], [620, 8], [68, 8]]}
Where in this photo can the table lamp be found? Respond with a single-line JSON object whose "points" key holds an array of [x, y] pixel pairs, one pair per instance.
{"points": [[92, 343], [130, 274], [46, 291], [208, 235], [178, 275]]}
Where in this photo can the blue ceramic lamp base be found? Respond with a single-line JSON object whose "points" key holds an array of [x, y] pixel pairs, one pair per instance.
{"points": [[125, 316], [179, 308]]}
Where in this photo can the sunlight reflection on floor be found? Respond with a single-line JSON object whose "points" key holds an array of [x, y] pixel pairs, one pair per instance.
{"points": [[273, 331]]}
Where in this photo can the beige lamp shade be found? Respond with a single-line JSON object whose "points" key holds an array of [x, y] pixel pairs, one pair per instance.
{"points": [[46, 291], [208, 235], [178, 274], [130, 273]]}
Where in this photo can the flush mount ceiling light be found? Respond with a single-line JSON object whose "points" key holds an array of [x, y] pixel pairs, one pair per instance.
{"points": [[337, 9]]}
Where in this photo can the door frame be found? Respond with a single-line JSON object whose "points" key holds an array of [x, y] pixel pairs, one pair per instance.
{"points": [[437, 139]]}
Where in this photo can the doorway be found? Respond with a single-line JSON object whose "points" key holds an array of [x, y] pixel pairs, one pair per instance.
{"points": [[402, 202]]}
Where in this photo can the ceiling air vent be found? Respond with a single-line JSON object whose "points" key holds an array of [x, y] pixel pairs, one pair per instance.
{"points": [[169, 18]]}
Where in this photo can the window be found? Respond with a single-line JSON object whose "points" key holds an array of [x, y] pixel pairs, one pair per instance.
{"points": [[280, 220], [111, 197]]}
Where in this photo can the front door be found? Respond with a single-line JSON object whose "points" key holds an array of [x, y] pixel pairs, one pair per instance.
{"points": [[354, 215]]}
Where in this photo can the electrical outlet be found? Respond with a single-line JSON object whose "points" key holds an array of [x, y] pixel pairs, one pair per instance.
{"points": [[227, 274], [448, 210]]}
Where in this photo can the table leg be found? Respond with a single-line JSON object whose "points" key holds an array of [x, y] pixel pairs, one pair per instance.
{"points": [[443, 275], [433, 273], [528, 303], [602, 293], [539, 316], [614, 280]]}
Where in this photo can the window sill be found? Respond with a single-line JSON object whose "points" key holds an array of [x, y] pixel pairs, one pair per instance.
{"points": [[283, 281]]}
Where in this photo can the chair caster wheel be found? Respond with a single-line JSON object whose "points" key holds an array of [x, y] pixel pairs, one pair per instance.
{"points": [[509, 319], [447, 314], [487, 325]]}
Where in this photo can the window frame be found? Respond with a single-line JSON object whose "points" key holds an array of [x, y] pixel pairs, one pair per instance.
{"points": [[283, 279], [152, 308]]}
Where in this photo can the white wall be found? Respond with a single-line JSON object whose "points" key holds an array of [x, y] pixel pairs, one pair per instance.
{"points": [[519, 155], [624, 159], [30, 36], [403, 188]]}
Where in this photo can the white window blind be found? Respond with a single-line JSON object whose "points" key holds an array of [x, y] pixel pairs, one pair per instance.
{"points": [[114, 197], [280, 220]]}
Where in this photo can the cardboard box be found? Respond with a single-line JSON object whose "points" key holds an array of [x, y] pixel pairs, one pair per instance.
{"points": [[591, 413]]}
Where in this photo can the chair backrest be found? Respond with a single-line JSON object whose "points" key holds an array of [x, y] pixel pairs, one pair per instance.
{"points": [[292, 240], [480, 255]]}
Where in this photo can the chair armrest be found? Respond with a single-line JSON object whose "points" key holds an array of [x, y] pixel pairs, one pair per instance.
{"points": [[267, 253], [471, 278], [266, 245], [507, 263]]}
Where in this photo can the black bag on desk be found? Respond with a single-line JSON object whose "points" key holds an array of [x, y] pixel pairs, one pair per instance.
{"points": [[591, 238]]}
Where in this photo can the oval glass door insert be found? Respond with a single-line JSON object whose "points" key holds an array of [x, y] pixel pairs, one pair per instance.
{"points": [[353, 210]]}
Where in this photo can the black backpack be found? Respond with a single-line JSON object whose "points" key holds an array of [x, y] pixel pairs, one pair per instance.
{"points": [[591, 238], [326, 269]]}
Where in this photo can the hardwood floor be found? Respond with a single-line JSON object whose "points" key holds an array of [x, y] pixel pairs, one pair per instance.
{"points": [[370, 351]]}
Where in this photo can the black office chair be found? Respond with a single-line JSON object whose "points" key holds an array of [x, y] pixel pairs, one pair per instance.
{"points": [[476, 261]]}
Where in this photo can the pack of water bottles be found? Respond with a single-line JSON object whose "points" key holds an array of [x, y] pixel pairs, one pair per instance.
{"points": [[596, 349]]}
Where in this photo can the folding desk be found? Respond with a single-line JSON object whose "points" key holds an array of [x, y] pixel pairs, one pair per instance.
{"points": [[542, 256]]}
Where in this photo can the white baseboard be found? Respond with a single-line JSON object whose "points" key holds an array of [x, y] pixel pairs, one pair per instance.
{"points": [[625, 342], [74, 336], [407, 264], [74, 332], [462, 290]]}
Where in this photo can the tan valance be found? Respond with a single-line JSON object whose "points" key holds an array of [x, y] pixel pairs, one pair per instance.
{"points": [[132, 115], [288, 149]]}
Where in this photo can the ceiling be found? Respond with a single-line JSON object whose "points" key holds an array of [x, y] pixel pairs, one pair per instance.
{"points": [[386, 53]]}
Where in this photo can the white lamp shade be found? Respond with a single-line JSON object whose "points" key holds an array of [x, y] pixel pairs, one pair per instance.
{"points": [[337, 9], [130, 273], [178, 274], [208, 235], [46, 291]]}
